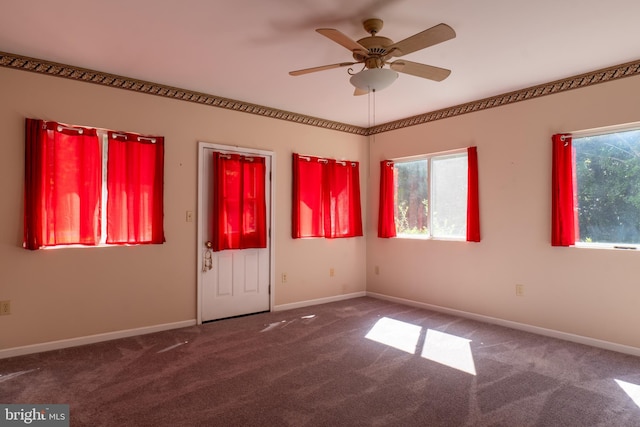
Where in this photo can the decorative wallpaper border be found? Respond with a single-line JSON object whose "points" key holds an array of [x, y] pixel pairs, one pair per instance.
{"points": [[9, 60], [600, 76], [19, 62]]}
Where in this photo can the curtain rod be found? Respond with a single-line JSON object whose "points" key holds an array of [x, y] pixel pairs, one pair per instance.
{"points": [[340, 162], [60, 128], [228, 156], [139, 138]]}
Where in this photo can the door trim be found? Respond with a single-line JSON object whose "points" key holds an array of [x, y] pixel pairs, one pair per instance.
{"points": [[202, 146]]}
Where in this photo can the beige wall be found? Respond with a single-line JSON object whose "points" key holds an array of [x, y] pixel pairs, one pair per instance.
{"points": [[588, 292], [68, 293]]}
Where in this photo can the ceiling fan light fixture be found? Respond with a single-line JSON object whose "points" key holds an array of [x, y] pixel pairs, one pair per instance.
{"points": [[374, 79]]}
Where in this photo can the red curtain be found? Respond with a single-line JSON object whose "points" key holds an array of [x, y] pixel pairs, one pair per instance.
{"points": [[345, 216], [308, 206], [135, 180], [473, 205], [326, 198], [563, 212], [63, 176], [239, 204], [386, 221]]}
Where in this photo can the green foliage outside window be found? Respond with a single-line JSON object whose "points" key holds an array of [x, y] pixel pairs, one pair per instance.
{"points": [[441, 213], [608, 181], [412, 210]]}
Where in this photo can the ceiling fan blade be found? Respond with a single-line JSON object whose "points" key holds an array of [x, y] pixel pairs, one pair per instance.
{"points": [[434, 35], [320, 68], [359, 92], [420, 70], [343, 40]]}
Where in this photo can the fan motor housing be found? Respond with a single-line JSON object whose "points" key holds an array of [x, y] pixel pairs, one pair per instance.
{"points": [[376, 45]]}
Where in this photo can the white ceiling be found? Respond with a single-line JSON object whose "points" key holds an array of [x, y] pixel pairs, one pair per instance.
{"points": [[244, 49]]}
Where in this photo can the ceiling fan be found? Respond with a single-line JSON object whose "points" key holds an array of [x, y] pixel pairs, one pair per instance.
{"points": [[376, 51]]}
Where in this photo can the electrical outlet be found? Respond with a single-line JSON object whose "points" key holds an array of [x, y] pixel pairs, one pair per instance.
{"points": [[376, 269], [284, 277], [519, 290], [5, 307], [331, 272]]}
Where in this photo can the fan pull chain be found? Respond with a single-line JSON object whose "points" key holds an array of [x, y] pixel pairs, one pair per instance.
{"points": [[374, 107], [372, 113], [369, 109]]}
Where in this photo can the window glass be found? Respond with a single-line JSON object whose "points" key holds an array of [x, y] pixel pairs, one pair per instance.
{"points": [[412, 197], [449, 196], [608, 187], [431, 196]]}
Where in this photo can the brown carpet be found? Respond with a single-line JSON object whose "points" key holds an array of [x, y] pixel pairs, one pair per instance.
{"points": [[361, 362]]}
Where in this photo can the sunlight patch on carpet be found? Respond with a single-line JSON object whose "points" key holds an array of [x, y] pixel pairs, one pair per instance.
{"points": [[172, 347], [446, 349], [273, 325], [7, 377], [394, 333], [449, 350], [632, 390]]}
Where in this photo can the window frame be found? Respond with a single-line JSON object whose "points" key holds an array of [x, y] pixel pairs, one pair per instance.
{"points": [[458, 152], [635, 126]]}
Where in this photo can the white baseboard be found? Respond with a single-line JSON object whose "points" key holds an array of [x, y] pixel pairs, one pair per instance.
{"points": [[325, 300], [620, 348], [90, 339], [73, 342]]}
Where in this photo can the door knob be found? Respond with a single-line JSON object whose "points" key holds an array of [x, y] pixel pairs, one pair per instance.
{"points": [[207, 263]]}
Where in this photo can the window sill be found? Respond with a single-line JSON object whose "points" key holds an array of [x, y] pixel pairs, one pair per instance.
{"points": [[100, 245], [609, 246], [421, 237]]}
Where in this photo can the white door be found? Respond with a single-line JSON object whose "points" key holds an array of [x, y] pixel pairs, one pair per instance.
{"points": [[231, 282]]}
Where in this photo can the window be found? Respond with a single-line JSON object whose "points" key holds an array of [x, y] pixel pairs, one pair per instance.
{"points": [[431, 196], [86, 186], [326, 198], [607, 174]]}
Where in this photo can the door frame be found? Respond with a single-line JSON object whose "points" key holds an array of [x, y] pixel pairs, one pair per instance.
{"points": [[202, 147]]}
